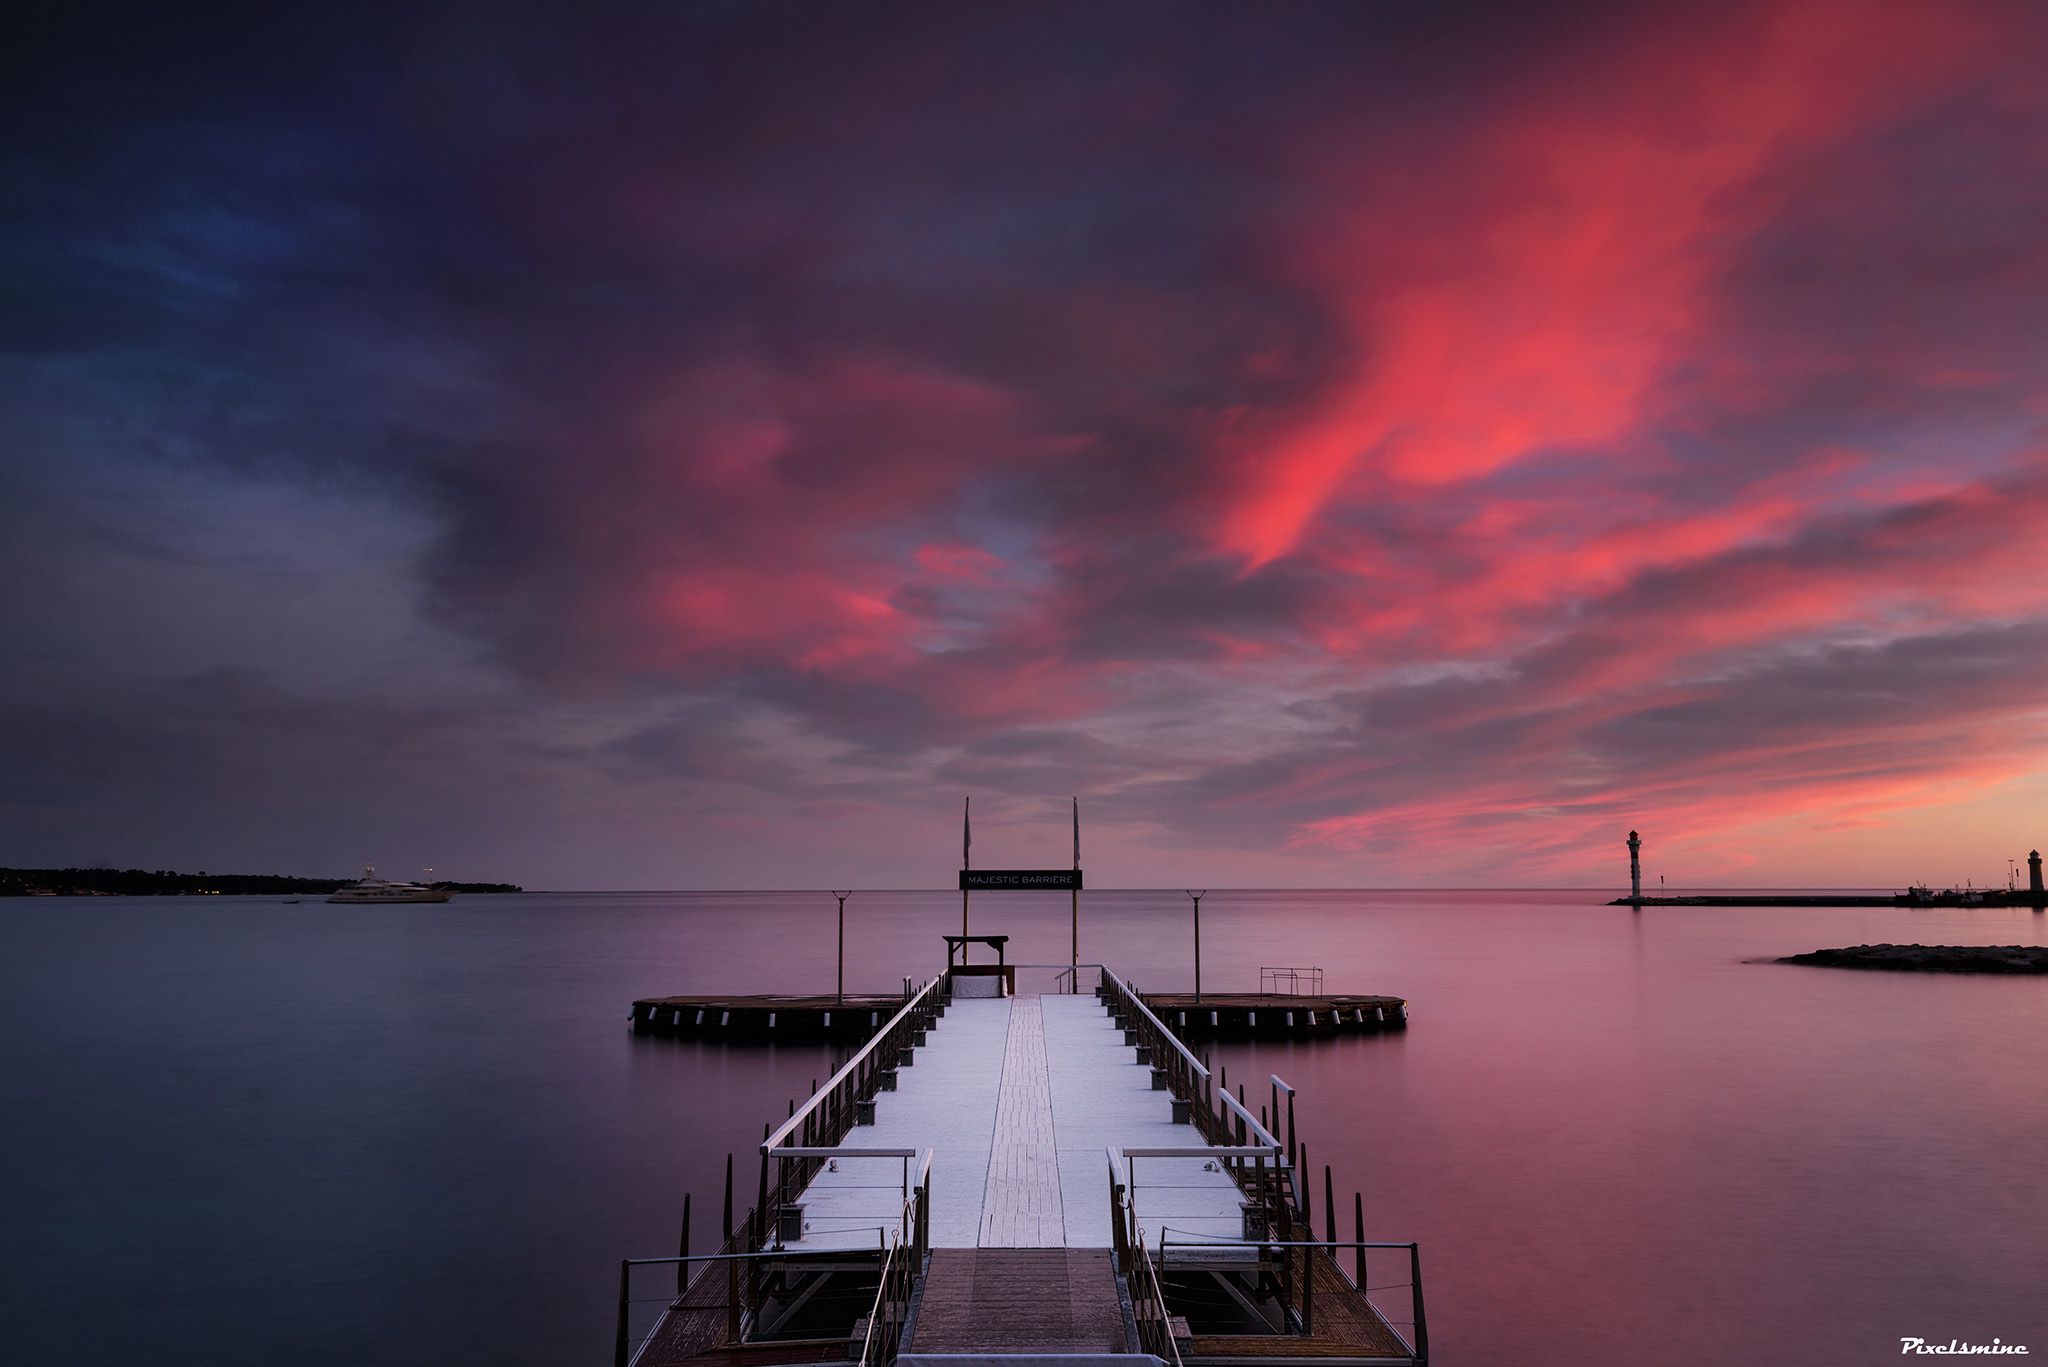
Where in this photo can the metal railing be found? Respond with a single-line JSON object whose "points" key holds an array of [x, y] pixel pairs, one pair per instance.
{"points": [[1300, 1304], [824, 1119], [735, 1284], [902, 1265], [1187, 1076], [1134, 1264], [791, 1157], [1264, 1167], [1298, 981], [730, 1298]]}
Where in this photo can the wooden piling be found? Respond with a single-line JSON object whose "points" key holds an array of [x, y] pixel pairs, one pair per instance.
{"points": [[1358, 1236], [1421, 1319], [622, 1344], [683, 1249]]}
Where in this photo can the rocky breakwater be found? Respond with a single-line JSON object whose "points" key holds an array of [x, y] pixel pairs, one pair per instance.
{"points": [[1931, 958]]}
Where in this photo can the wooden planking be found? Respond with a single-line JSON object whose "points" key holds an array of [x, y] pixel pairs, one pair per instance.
{"points": [[1026, 1300], [696, 1336], [1020, 1205], [1346, 1326]]}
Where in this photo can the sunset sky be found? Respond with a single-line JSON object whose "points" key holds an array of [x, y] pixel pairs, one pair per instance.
{"points": [[1352, 443]]}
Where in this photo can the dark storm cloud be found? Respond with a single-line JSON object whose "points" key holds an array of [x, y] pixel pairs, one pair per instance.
{"points": [[835, 400]]}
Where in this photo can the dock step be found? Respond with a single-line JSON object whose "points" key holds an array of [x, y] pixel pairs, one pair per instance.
{"points": [[1032, 1301]]}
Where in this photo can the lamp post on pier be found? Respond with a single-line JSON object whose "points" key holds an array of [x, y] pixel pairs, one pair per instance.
{"points": [[1074, 893], [841, 990], [1198, 896], [966, 863]]}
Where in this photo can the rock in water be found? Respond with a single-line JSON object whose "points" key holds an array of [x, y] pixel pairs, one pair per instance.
{"points": [[1931, 958]]}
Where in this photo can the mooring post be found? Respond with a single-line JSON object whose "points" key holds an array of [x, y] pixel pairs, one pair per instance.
{"points": [[1421, 1318], [725, 1225], [1358, 1235], [1290, 1113], [1198, 896], [1304, 1195], [621, 1347], [683, 1249], [1329, 1207], [1308, 1286]]}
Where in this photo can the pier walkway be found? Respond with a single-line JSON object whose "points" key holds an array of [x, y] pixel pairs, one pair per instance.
{"points": [[1018, 1099], [1035, 1180]]}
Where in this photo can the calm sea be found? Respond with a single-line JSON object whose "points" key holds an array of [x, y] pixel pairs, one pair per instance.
{"points": [[240, 1131]]}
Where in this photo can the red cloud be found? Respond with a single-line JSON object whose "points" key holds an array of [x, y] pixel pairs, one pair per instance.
{"points": [[1529, 289]]}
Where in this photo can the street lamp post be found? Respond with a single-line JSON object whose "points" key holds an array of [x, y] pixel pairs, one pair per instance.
{"points": [[1198, 896], [842, 896]]}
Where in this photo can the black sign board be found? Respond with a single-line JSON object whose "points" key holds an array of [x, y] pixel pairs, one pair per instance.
{"points": [[1055, 880]]}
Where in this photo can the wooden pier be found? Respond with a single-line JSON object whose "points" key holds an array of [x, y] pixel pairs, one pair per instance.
{"points": [[764, 1018], [1270, 1015], [1212, 1016], [1030, 1177]]}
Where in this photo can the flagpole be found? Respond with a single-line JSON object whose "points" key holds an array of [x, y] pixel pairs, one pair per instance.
{"points": [[966, 862]]}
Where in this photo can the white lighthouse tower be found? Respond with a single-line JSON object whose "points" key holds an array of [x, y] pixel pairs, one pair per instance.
{"points": [[1635, 868]]}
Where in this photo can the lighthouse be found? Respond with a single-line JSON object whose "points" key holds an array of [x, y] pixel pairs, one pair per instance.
{"points": [[2038, 894], [1635, 868]]}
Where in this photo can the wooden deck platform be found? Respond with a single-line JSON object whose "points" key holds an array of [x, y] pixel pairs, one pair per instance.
{"points": [[1343, 1323], [1019, 1300], [763, 1017], [694, 1330], [1049, 1150], [1257, 1015]]}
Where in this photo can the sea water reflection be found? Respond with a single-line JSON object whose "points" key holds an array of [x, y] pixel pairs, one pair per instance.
{"points": [[241, 1131]]}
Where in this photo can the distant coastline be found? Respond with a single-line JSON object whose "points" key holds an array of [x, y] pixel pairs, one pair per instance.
{"points": [[170, 883]]}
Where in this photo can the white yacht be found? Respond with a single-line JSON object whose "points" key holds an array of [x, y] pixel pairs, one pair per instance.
{"points": [[375, 889]]}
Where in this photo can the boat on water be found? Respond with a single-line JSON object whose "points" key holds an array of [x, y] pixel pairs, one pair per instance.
{"points": [[375, 889]]}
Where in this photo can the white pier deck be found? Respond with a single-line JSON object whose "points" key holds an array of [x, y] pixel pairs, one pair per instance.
{"points": [[1019, 1098]]}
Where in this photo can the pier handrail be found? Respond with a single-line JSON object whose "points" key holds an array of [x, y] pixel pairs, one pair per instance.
{"points": [[885, 1034], [902, 1263], [1417, 1344], [1201, 1086], [1251, 1123], [903, 1250], [1162, 1327], [1195, 1065], [1292, 976], [1148, 1298], [626, 1351]]}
